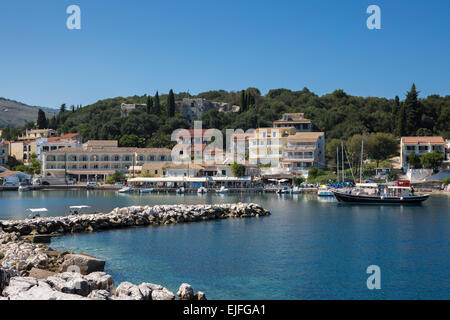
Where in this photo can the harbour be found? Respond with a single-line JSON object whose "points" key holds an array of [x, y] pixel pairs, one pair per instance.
{"points": [[308, 248]]}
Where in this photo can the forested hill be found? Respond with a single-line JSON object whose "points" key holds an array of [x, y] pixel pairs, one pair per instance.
{"points": [[339, 114], [13, 113]]}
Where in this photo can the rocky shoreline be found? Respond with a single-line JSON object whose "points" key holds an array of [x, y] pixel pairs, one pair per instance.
{"points": [[34, 271]]}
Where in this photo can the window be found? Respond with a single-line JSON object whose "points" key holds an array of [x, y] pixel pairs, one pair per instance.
{"points": [[156, 171], [163, 158]]}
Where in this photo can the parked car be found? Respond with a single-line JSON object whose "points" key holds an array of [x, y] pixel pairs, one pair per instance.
{"points": [[45, 183], [70, 182]]}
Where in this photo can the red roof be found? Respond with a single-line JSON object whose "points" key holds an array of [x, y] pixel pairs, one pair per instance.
{"points": [[70, 135], [424, 140]]}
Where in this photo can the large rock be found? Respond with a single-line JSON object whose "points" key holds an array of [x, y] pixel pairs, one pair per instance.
{"points": [[18, 285], [163, 294], [40, 273], [129, 290], [100, 295], [82, 263], [5, 276], [100, 281], [43, 292], [185, 292]]}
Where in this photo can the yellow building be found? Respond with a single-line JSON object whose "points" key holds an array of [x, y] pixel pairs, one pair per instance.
{"points": [[4, 147], [155, 168], [22, 150], [266, 145]]}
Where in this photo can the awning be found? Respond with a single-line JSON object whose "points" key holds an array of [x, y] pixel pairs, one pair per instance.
{"points": [[38, 210]]}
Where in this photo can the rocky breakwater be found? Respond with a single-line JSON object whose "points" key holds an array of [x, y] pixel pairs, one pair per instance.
{"points": [[131, 217], [31, 271]]}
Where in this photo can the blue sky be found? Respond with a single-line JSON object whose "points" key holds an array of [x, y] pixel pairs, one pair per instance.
{"points": [[136, 47]]}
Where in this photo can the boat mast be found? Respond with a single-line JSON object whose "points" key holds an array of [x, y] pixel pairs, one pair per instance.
{"points": [[361, 168], [343, 172], [337, 163]]}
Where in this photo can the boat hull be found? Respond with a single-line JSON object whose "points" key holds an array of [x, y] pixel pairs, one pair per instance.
{"points": [[349, 198]]}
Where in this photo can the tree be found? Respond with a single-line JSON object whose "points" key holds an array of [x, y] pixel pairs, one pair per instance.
{"points": [[432, 160], [63, 108], [117, 176], [149, 104], [395, 112], [401, 122], [413, 161], [41, 122], [413, 111], [424, 132], [381, 146], [238, 169], [243, 101], [131, 140], [171, 104], [157, 104]]}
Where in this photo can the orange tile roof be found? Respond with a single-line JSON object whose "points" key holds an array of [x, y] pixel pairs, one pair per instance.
{"points": [[419, 140]]}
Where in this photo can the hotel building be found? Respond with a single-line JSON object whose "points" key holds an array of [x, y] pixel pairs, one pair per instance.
{"points": [[303, 150], [421, 146], [98, 159], [266, 145], [295, 120]]}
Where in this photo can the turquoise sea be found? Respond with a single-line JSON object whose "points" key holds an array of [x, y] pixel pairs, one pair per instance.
{"points": [[308, 248]]}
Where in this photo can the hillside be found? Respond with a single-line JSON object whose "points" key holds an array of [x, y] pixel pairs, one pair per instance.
{"points": [[14, 114], [339, 114]]}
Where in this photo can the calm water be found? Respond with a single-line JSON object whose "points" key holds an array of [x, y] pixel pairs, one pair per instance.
{"points": [[307, 249]]}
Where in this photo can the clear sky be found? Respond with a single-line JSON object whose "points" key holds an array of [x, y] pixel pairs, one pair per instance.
{"points": [[136, 47]]}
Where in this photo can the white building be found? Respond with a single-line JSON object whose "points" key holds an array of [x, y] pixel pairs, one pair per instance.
{"points": [[98, 159], [421, 146], [304, 150], [71, 140], [13, 177]]}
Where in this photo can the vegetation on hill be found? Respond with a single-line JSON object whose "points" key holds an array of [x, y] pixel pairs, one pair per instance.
{"points": [[16, 114], [340, 115]]}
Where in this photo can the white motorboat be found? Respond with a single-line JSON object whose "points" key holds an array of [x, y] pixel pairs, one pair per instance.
{"points": [[25, 188], [296, 190], [36, 212], [325, 191], [143, 191], [222, 190], [126, 190], [180, 190], [76, 210], [202, 190], [284, 190]]}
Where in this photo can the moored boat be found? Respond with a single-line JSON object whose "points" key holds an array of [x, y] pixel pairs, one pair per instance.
{"points": [[125, 190], [202, 190], [400, 193], [144, 191], [324, 191], [222, 190]]}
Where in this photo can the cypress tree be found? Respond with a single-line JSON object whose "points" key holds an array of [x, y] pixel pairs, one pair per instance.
{"points": [[157, 104], [63, 108], [413, 112], [243, 101], [395, 111], [171, 104], [401, 122], [41, 122], [149, 104]]}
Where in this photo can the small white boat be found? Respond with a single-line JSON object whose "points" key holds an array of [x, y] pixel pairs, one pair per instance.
{"points": [[284, 190], [126, 190], [143, 191], [222, 190], [25, 188], [202, 190], [76, 210], [324, 191], [296, 190], [36, 212], [180, 190]]}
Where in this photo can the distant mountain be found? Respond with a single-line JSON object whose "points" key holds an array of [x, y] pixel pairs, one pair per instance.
{"points": [[13, 113]]}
